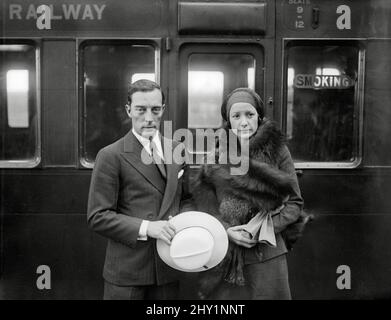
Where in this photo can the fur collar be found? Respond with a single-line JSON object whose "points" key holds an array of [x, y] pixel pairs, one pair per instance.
{"points": [[263, 182], [265, 144], [268, 140]]}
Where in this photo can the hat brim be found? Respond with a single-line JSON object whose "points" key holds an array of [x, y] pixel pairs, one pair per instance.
{"points": [[197, 219]]}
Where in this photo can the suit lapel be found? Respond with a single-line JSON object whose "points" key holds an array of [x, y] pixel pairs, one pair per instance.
{"points": [[132, 154]]}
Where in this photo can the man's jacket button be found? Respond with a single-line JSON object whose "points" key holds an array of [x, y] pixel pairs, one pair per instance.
{"points": [[259, 254]]}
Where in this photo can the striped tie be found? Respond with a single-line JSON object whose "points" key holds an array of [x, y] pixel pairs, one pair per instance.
{"points": [[157, 159]]}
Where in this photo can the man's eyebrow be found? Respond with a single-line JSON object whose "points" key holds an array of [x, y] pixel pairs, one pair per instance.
{"points": [[141, 106]]}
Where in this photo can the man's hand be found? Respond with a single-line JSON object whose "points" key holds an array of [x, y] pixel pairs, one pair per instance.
{"points": [[161, 230], [241, 237]]}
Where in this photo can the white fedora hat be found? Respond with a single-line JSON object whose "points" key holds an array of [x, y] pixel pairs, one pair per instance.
{"points": [[200, 242]]}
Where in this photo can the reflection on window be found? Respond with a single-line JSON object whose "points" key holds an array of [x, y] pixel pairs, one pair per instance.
{"points": [[205, 97], [18, 110], [108, 69], [17, 98], [327, 71], [251, 78], [321, 105], [289, 128], [140, 76]]}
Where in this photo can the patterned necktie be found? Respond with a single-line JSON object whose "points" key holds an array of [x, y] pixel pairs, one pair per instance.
{"points": [[157, 159]]}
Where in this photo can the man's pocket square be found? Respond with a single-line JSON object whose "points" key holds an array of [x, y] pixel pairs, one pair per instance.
{"points": [[180, 173]]}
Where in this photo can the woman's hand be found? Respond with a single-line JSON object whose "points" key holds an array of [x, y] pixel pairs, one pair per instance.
{"points": [[238, 235]]}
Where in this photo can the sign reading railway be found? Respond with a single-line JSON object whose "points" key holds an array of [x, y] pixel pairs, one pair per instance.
{"points": [[56, 17]]}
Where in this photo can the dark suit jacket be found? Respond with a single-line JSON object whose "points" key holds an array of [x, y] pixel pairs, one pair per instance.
{"points": [[123, 192]]}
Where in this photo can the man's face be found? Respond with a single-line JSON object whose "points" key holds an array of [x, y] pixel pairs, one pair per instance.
{"points": [[146, 112]]}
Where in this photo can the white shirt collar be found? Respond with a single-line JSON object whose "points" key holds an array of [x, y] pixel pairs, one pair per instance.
{"points": [[146, 143]]}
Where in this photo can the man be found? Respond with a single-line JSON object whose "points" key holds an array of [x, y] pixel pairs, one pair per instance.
{"points": [[131, 200]]}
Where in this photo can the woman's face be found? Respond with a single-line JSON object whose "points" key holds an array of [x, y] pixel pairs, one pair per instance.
{"points": [[244, 118]]}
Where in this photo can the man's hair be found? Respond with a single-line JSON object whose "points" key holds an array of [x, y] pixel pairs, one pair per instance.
{"points": [[143, 85]]}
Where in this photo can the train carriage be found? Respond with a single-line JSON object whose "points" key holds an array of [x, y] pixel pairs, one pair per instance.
{"points": [[322, 67]]}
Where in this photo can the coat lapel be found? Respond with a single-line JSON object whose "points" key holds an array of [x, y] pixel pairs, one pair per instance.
{"points": [[132, 154]]}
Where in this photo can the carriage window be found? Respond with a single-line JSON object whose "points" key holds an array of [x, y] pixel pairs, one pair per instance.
{"points": [[108, 69], [322, 117], [19, 144], [210, 77]]}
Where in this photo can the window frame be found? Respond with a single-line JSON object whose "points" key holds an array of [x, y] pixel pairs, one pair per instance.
{"points": [[36, 161], [358, 115], [80, 44]]}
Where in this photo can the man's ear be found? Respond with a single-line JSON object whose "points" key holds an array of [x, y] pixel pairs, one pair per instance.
{"points": [[163, 110], [127, 109]]}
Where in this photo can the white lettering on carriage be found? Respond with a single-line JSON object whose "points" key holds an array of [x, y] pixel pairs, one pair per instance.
{"points": [[315, 81], [58, 12], [71, 10], [32, 12]]}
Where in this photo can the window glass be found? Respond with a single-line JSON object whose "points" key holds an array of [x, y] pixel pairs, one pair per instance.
{"points": [[210, 78], [251, 78], [19, 144], [321, 101], [108, 69], [205, 96], [17, 98]]}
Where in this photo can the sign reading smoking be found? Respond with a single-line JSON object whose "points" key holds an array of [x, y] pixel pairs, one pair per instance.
{"points": [[312, 81]]}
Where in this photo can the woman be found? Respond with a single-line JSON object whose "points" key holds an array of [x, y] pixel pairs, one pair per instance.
{"points": [[251, 270]]}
